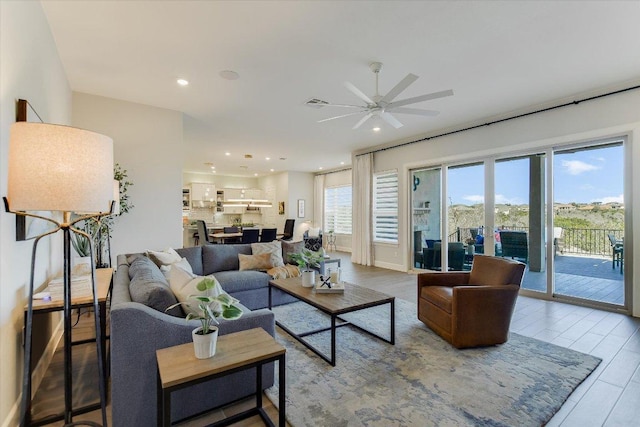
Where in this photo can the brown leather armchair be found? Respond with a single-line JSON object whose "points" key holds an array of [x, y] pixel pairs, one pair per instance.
{"points": [[471, 309]]}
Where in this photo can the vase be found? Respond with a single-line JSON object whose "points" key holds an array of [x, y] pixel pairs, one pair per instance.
{"points": [[205, 345], [470, 249], [308, 278]]}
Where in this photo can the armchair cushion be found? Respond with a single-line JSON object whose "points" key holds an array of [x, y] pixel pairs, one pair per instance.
{"points": [[494, 271]]}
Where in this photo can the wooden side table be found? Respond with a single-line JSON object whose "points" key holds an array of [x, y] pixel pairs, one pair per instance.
{"points": [[104, 280], [178, 368]]}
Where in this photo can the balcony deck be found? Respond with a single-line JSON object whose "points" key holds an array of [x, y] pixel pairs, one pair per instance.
{"points": [[590, 277]]}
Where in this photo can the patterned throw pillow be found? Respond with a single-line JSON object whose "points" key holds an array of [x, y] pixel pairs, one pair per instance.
{"points": [[274, 248], [255, 262]]}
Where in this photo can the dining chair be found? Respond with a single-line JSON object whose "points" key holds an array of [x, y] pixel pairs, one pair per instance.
{"points": [[228, 230], [203, 234], [288, 229], [250, 235], [268, 234]]}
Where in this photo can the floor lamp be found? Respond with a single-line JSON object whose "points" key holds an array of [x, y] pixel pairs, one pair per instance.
{"points": [[60, 169]]}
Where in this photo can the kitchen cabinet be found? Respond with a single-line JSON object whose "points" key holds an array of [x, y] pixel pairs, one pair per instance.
{"points": [[205, 193], [233, 194]]}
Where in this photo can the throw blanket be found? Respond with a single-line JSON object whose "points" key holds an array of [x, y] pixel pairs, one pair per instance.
{"points": [[284, 272]]}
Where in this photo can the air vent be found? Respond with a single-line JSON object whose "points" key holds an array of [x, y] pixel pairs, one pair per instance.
{"points": [[315, 103]]}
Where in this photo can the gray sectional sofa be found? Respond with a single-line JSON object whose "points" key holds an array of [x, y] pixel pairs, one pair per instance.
{"points": [[138, 330]]}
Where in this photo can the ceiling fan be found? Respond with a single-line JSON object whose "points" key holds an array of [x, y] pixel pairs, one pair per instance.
{"points": [[379, 105]]}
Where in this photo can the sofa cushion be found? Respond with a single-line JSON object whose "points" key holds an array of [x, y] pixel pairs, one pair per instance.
{"points": [[184, 286], [194, 256], [238, 281], [217, 258], [148, 286], [254, 262], [289, 248], [274, 248]]}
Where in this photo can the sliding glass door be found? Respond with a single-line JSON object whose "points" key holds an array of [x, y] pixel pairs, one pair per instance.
{"points": [[589, 223], [425, 202]]}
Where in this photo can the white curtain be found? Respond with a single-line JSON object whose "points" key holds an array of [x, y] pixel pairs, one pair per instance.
{"points": [[318, 201], [362, 251]]}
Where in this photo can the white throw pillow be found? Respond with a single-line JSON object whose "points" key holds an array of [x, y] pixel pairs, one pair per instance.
{"points": [[314, 232], [182, 264], [167, 257], [274, 248]]}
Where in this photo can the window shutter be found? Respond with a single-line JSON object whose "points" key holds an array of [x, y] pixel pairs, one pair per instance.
{"points": [[385, 207]]}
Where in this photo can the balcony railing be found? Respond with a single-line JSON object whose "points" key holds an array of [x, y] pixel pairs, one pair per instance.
{"points": [[582, 241]]}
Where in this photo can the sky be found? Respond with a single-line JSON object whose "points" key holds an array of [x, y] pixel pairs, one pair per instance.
{"points": [[585, 176]]}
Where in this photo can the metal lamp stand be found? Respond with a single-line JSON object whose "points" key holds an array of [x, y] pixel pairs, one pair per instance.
{"points": [[67, 226]]}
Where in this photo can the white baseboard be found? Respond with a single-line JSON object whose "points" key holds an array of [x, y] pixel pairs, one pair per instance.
{"points": [[13, 417], [390, 266]]}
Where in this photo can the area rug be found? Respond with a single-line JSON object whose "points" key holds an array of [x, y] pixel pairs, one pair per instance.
{"points": [[422, 380]]}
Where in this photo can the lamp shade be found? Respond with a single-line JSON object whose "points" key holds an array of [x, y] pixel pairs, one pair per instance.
{"points": [[59, 168]]}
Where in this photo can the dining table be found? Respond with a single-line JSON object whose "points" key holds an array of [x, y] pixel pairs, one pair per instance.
{"points": [[223, 237]]}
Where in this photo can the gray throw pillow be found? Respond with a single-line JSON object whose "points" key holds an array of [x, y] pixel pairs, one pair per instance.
{"points": [[289, 248], [148, 286]]}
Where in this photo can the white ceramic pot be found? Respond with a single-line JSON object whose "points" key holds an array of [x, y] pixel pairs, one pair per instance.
{"points": [[205, 345], [308, 278]]}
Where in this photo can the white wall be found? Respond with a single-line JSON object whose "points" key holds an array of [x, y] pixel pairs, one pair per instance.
{"points": [[29, 69], [610, 116], [147, 142], [300, 188], [276, 189]]}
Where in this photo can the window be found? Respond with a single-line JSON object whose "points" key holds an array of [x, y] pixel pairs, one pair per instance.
{"points": [[337, 209], [385, 207]]}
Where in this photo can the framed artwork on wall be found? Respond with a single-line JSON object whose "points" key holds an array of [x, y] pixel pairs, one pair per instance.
{"points": [[300, 208], [280, 208]]}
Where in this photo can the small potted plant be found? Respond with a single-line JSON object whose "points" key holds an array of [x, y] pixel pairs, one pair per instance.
{"points": [[305, 260], [470, 245], [209, 307]]}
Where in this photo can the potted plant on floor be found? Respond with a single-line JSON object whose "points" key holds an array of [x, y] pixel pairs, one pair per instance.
{"points": [[305, 260], [209, 307]]}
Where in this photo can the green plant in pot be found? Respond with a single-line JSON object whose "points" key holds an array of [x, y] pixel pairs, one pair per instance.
{"points": [[305, 260], [209, 307]]}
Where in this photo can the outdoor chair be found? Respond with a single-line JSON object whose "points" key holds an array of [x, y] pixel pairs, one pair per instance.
{"points": [[418, 259], [558, 240], [617, 251], [514, 244], [471, 308], [432, 257]]}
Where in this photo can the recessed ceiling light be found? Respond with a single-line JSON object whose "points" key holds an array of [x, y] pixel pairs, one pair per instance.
{"points": [[213, 171], [255, 174], [342, 163], [271, 170], [229, 75], [227, 153], [267, 158], [376, 129], [213, 167], [182, 82], [320, 168]]}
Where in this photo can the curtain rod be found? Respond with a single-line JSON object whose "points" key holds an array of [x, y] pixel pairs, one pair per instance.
{"points": [[333, 171], [543, 110]]}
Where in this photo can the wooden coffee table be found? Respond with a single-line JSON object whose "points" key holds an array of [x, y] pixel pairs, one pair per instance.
{"points": [[353, 299]]}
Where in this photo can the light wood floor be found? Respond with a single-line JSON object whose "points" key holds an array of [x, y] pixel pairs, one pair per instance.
{"points": [[609, 397]]}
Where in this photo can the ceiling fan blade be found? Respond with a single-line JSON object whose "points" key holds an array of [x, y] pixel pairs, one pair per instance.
{"points": [[399, 88], [362, 120], [357, 92], [343, 115], [391, 120], [416, 111], [344, 105], [421, 98]]}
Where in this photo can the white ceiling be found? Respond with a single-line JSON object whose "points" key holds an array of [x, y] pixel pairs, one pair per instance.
{"points": [[496, 56]]}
